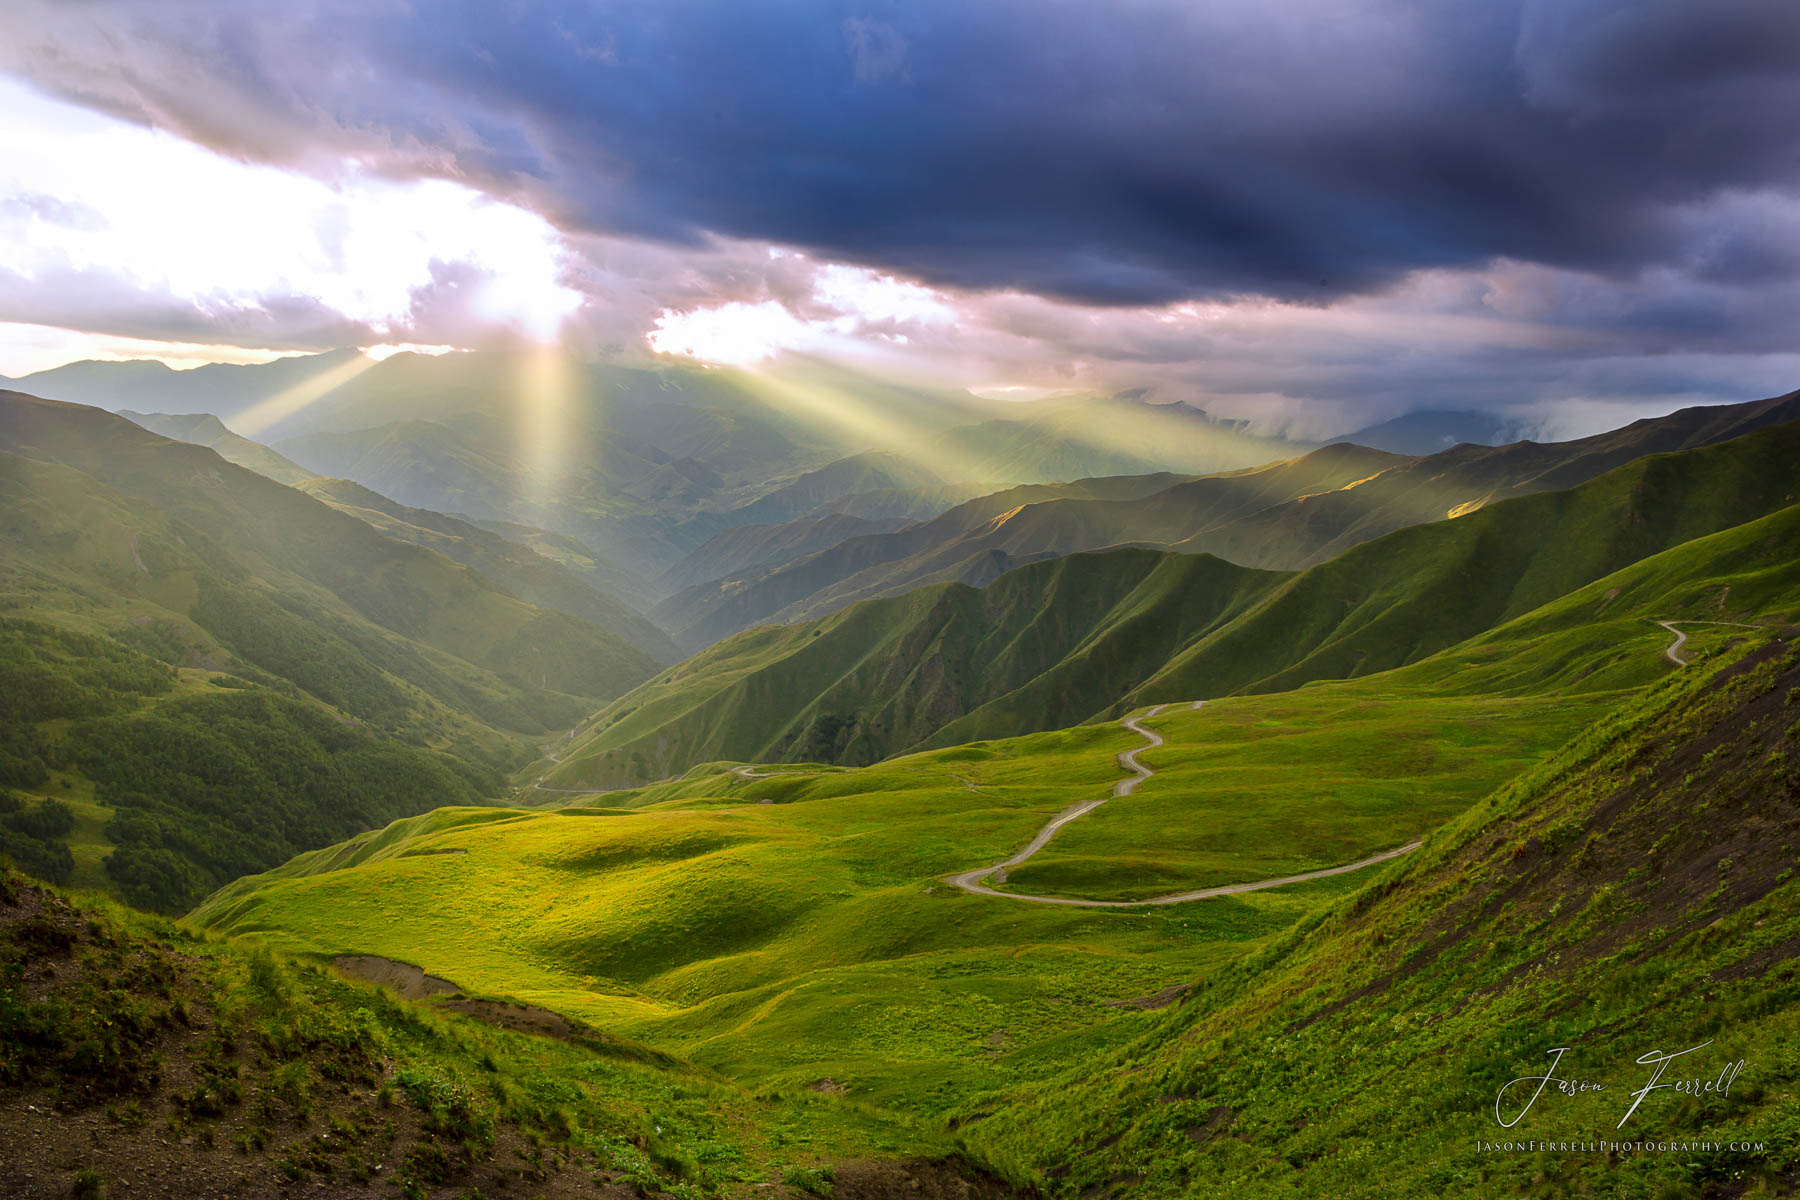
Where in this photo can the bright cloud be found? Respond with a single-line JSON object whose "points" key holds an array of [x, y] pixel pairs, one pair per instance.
{"points": [[847, 310], [130, 211]]}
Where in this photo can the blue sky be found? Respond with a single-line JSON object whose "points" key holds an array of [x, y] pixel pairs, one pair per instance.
{"points": [[1319, 213]]}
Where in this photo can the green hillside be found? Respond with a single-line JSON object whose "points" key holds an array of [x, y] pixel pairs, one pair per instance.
{"points": [[884, 676], [1067, 524], [204, 429], [1461, 480], [703, 614], [1402, 597], [1634, 895], [258, 536], [1286, 516], [143, 1059], [518, 568], [1143, 627], [798, 928], [213, 671]]}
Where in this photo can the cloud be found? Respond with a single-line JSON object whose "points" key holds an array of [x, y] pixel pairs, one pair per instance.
{"points": [[1120, 154], [1320, 214]]}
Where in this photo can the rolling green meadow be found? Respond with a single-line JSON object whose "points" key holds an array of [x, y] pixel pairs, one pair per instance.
{"points": [[420, 936], [797, 928], [616, 600]]}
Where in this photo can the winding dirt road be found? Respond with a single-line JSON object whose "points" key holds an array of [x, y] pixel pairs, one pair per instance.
{"points": [[975, 881], [1673, 653]]}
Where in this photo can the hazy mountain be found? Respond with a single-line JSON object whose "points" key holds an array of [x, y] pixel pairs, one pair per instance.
{"points": [[706, 612], [204, 429], [1102, 633], [254, 557], [756, 548], [514, 566], [1283, 517], [1431, 430]]}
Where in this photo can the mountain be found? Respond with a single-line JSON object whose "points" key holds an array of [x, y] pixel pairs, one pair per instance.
{"points": [[1617, 902], [602, 573], [888, 674], [248, 671], [1079, 437], [1285, 516], [1464, 478], [1431, 430], [1401, 597], [908, 504], [860, 473], [704, 613], [229, 391], [514, 566], [1045, 528], [754, 549], [204, 429], [646, 464], [802, 924]]}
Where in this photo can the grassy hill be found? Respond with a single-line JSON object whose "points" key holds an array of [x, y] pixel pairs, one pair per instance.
{"points": [[889, 674], [1286, 516], [204, 429], [795, 930], [514, 566], [1402, 597], [1465, 478], [1067, 524], [702, 614], [143, 1059], [252, 526], [1635, 894], [1108, 633], [214, 671]]}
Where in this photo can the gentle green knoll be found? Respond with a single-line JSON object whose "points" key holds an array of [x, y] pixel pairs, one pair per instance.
{"points": [[812, 937], [1268, 786], [171, 1056], [1636, 893]]}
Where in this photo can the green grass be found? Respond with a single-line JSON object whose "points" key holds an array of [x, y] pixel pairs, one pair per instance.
{"points": [[812, 938], [1090, 636], [796, 929], [178, 1035], [1259, 787], [1635, 892]]}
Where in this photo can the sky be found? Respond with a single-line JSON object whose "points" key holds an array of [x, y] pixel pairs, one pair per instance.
{"points": [[1314, 214]]}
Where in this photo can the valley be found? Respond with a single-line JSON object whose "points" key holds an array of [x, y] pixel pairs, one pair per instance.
{"points": [[890, 871], [899, 601]]}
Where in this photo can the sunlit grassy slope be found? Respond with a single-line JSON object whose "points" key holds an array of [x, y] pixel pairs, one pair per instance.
{"points": [[1087, 636], [797, 928], [172, 1057], [812, 937], [1633, 895]]}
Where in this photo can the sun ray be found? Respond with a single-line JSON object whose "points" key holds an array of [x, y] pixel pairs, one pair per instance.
{"points": [[265, 414]]}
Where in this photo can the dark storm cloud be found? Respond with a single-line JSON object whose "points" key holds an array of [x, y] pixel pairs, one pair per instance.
{"points": [[1123, 153]]}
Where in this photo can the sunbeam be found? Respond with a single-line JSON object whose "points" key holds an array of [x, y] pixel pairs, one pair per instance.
{"points": [[284, 404]]}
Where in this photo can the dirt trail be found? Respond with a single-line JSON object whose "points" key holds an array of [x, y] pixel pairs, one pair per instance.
{"points": [[975, 881], [1673, 653], [555, 759]]}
